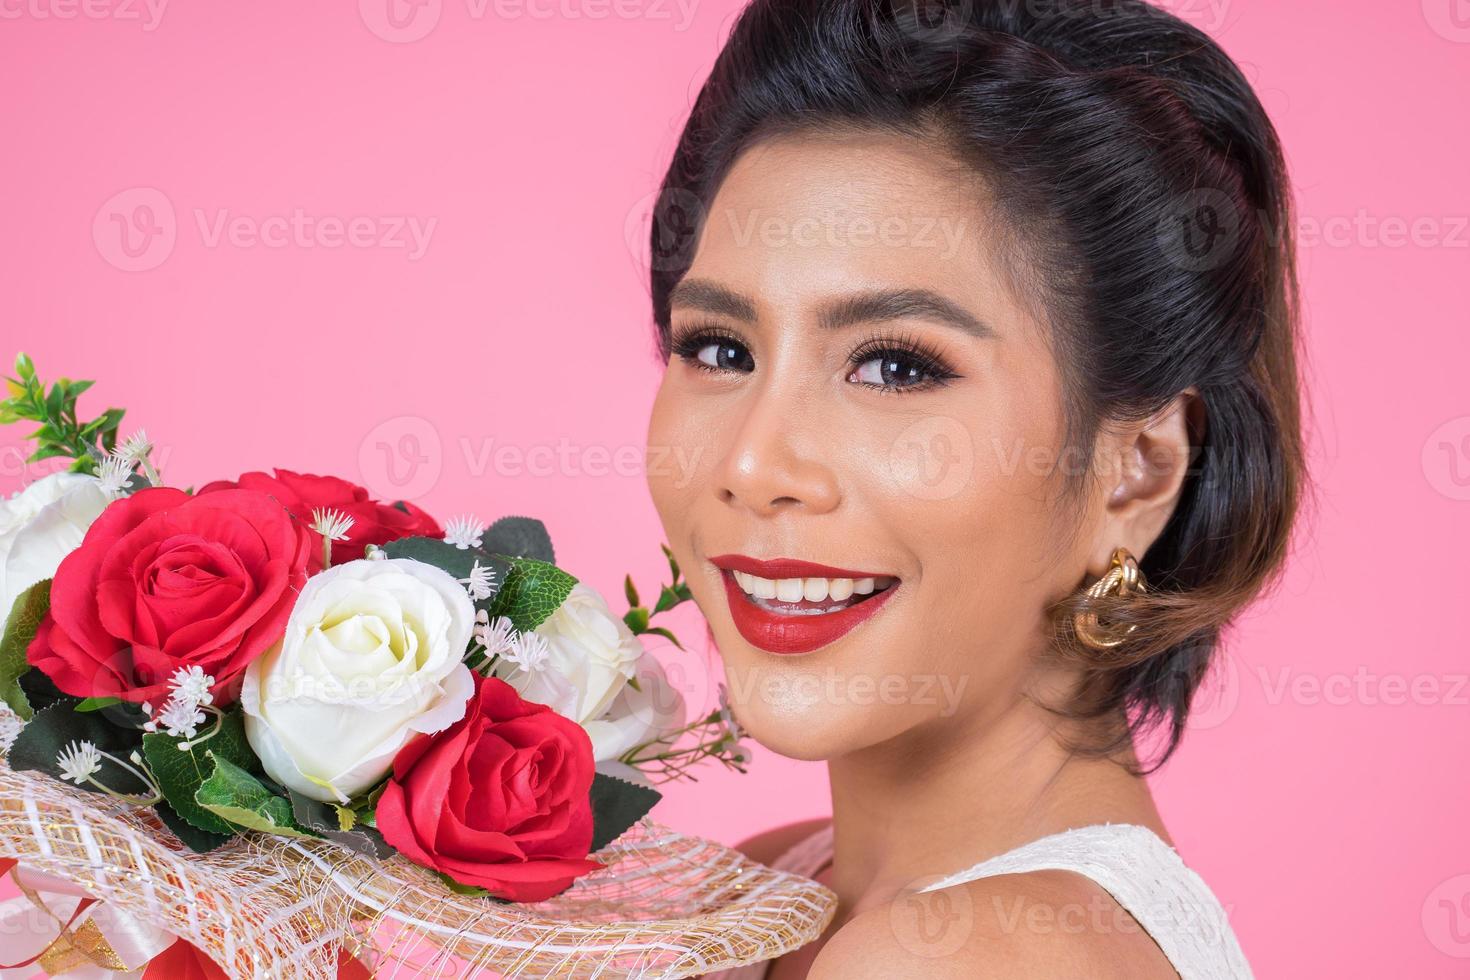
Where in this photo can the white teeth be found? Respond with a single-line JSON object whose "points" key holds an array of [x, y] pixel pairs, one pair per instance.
{"points": [[790, 589], [810, 589]]}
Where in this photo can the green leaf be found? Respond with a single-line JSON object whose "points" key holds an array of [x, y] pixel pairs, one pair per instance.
{"points": [[25, 368], [180, 773], [339, 824], [56, 726], [46, 452], [199, 841], [472, 891], [671, 596], [629, 591], [239, 798], [21, 622], [41, 691], [666, 634], [617, 805], [456, 561], [519, 537], [532, 591], [637, 619], [97, 704]]}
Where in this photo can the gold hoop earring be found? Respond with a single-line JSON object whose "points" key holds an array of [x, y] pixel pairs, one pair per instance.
{"points": [[1123, 579]]}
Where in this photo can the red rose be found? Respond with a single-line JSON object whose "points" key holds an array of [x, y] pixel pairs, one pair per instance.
{"points": [[163, 580], [372, 522], [500, 799]]}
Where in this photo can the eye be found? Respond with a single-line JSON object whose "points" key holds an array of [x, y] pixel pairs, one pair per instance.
{"points": [[899, 365], [711, 350]]}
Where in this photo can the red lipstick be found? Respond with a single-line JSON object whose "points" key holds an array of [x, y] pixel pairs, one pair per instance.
{"points": [[781, 633]]}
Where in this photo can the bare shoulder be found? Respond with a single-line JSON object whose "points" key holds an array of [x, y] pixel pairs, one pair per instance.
{"points": [[1038, 925], [769, 845]]}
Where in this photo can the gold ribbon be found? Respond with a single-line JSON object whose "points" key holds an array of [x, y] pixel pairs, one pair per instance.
{"points": [[97, 935]]}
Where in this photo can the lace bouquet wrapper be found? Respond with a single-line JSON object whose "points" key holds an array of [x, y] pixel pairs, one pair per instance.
{"points": [[272, 727]]}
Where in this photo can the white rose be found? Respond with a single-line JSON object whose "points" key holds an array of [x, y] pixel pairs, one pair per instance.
{"points": [[591, 655], [372, 657], [637, 715], [42, 525]]}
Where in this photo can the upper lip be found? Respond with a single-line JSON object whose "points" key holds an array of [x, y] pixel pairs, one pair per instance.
{"points": [[779, 568]]}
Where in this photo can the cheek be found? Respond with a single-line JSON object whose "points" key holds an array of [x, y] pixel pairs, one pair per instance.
{"points": [[972, 493], [684, 443], [676, 450]]}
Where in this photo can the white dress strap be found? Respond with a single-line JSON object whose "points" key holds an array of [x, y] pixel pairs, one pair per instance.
{"points": [[1148, 879], [1144, 875]]}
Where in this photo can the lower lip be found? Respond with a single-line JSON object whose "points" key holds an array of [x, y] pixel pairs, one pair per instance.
{"points": [[776, 633]]}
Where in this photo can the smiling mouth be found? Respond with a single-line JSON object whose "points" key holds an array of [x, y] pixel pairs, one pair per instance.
{"points": [[788, 606], [810, 596]]}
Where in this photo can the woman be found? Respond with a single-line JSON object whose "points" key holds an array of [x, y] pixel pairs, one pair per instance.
{"points": [[979, 323]]}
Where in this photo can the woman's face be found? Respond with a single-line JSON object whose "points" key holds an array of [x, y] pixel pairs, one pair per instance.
{"points": [[856, 386]]}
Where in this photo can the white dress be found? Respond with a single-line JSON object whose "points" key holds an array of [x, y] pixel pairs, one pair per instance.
{"points": [[1146, 876]]}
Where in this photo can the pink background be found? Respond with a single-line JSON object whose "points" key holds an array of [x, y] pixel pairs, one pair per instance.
{"points": [[1323, 791]]}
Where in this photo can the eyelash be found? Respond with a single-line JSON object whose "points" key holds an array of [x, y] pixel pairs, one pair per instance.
{"points": [[686, 344]]}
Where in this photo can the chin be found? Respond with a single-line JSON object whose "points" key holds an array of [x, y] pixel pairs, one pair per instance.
{"points": [[802, 713]]}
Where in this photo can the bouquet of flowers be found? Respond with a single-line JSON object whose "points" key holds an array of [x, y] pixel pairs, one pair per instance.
{"points": [[278, 673]]}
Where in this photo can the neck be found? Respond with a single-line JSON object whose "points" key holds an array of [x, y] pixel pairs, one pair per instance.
{"points": [[936, 802]]}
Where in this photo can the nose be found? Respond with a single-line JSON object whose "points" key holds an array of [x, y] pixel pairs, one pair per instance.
{"points": [[775, 463]]}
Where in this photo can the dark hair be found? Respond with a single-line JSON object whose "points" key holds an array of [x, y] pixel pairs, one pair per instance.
{"points": [[1146, 191]]}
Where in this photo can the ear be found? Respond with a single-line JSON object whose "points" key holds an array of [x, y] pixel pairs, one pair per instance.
{"points": [[1142, 468]]}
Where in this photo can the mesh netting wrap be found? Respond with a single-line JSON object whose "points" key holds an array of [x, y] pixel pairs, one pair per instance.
{"points": [[666, 905]]}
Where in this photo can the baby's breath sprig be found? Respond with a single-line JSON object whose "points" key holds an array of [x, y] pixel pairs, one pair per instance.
{"points": [[190, 704], [332, 525], [137, 450], [480, 583], [80, 761], [716, 735], [493, 639], [464, 531]]}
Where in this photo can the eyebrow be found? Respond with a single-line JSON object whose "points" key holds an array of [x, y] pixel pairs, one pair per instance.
{"points": [[710, 297], [870, 306], [876, 306]]}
